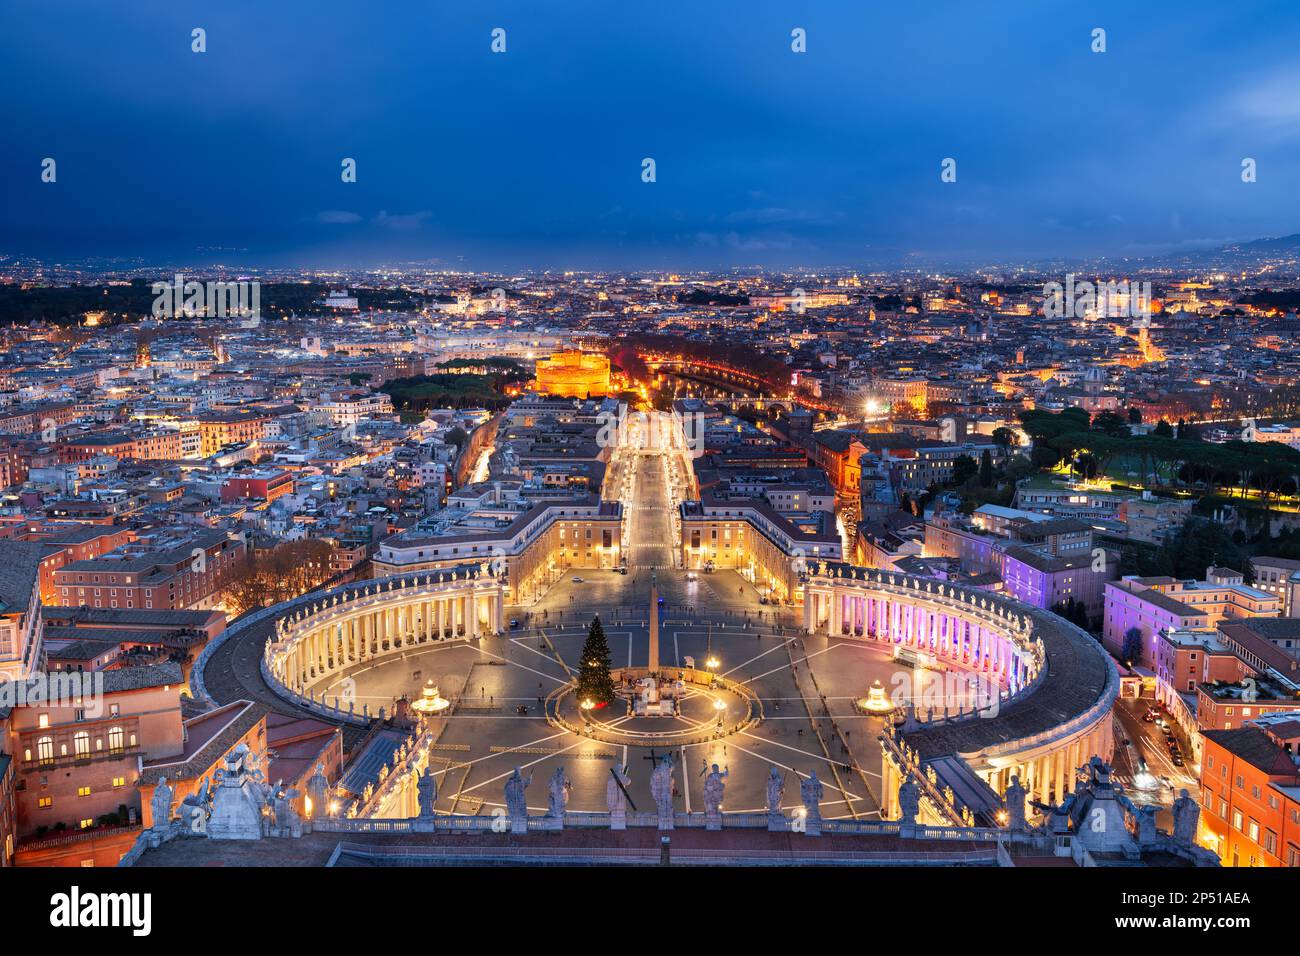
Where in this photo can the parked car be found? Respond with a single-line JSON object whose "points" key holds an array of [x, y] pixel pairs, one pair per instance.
{"points": [[514, 625], [577, 580]]}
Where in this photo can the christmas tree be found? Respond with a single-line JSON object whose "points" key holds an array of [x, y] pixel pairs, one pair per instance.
{"points": [[594, 682]]}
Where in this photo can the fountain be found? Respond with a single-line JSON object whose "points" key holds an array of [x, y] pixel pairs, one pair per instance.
{"points": [[430, 702], [876, 701]]}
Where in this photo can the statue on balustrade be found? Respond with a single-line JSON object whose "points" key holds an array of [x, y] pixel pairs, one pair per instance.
{"points": [[161, 804], [318, 792], [775, 793], [909, 800], [811, 792], [286, 814], [616, 790], [427, 791], [713, 790], [1186, 814], [516, 801], [1015, 798], [558, 794], [661, 789], [1146, 824]]}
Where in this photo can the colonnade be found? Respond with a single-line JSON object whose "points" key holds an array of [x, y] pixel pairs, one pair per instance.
{"points": [[333, 636], [1046, 769], [947, 623]]}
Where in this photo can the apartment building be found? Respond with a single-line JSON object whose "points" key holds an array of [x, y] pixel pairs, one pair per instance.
{"points": [[1250, 792], [180, 572]]}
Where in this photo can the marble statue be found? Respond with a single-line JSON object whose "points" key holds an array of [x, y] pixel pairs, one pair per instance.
{"points": [[318, 792], [557, 797], [661, 789], [775, 792], [194, 809], [427, 791], [1146, 825], [516, 802], [811, 792], [1186, 814], [236, 812], [161, 804], [286, 814], [615, 798], [909, 800], [1015, 798], [713, 790]]}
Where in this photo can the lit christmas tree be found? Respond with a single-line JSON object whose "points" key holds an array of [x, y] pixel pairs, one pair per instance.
{"points": [[594, 681]]}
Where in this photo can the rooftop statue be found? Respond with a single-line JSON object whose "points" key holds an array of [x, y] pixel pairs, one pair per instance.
{"points": [[713, 790], [161, 804], [558, 794], [516, 802]]}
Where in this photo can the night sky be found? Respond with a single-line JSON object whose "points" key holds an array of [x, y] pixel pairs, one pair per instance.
{"points": [[532, 158]]}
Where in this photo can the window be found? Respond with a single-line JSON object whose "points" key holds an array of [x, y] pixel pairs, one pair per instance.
{"points": [[115, 739], [81, 744], [45, 750], [45, 803], [83, 791]]}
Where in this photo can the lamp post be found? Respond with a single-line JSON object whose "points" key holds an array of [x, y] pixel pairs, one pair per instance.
{"points": [[711, 661]]}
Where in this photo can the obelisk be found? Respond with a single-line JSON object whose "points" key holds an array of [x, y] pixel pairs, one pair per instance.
{"points": [[654, 624]]}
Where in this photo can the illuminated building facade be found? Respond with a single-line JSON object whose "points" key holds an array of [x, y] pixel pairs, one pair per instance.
{"points": [[574, 374]]}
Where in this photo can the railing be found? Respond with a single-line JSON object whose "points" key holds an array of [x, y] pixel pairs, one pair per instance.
{"points": [[757, 820], [76, 836]]}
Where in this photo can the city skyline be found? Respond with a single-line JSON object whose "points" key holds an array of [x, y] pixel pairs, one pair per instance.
{"points": [[532, 157]]}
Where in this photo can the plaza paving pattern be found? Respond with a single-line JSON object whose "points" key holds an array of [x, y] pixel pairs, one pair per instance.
{"points": [[808, 687], [485, 737]]}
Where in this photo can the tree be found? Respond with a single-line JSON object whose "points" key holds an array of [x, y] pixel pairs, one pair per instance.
{"points": [[986, 469], [264, 578], [1135, 415], [1132, 649], [1044, 457], [963, 469], [1164, 429], [1108, 423], [1073, 611], [594, 681], [455, 436], [1004, 437]]}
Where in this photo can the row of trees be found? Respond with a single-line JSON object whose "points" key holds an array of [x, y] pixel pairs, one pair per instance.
{"points": [[268, 577], [1176, 459]]}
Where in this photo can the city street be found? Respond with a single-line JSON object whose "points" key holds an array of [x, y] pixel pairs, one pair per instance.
{"points": [[1142, 763]]}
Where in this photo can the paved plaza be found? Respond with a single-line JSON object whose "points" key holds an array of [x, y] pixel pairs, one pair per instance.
{"points": [[808, 687]]}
